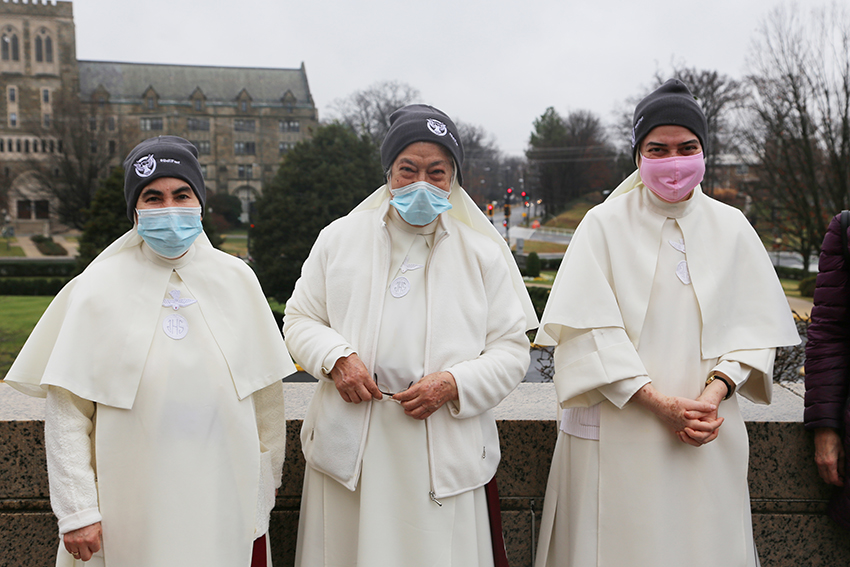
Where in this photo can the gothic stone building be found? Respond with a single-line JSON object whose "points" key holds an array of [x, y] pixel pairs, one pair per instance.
{"points": [[242, 120]]}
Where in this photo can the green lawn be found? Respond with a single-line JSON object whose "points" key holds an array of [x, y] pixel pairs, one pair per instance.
{"points": [[236, 242], [235, 245], [542, 247], [18, 316], [791, 288], [572, 216], [8, 247]]}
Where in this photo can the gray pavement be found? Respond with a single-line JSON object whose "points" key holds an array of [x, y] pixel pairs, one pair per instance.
{"points": [[72, 246], [30, 250]]}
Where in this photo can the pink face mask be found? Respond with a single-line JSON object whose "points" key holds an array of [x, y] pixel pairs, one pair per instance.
{"points": [[673, 178]]}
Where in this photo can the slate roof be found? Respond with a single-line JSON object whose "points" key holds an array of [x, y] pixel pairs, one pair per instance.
{"points": [[129, 81]]}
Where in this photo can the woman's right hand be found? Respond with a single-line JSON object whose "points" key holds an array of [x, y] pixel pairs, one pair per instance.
{"points": [[352, 380], [829, 455], [84, 542]]}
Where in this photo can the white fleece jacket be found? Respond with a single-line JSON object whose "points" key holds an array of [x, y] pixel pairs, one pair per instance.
{"points": [[476, 330]]}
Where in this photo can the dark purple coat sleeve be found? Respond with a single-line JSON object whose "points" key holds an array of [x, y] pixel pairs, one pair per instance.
{"points": [[828, 345]]}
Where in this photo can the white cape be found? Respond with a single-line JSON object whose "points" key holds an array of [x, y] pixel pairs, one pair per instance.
{"points": [[101, 324]]}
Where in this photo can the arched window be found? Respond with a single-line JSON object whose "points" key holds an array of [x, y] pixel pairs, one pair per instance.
{"points": [[5, 47], [39, 49], [15, 52], [48, 49]]}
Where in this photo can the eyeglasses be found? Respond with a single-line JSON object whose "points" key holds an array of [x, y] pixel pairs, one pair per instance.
{"points": [[389, 393]]}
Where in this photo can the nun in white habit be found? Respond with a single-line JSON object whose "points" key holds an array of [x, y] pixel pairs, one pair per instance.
{"points": [[664, 308], [412, 314], [162, 368]]}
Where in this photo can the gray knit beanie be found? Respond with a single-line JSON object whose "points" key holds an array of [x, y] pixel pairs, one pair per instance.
{"points": [[421, 123], [163, 156], [670, 104]]}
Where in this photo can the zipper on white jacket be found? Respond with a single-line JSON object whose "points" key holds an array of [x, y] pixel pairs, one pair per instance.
{"points": [[432, 473], [366, 423]]}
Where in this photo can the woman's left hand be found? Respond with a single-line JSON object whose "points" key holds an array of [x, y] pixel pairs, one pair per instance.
{"points": [[713, 394], [428, 395]]}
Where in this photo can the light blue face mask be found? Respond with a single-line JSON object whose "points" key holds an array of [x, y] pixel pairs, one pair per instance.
{"points": [[169, 231], [420, 203]]}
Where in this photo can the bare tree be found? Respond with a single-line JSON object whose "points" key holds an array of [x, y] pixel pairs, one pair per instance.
{"points": [[85, 151], [569, 156], [368, 111], [482, 163], [798, 120]]}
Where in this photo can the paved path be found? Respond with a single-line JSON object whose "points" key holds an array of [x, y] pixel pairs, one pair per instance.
{"points": [[802, 307], [30, 250], [72, 246]]}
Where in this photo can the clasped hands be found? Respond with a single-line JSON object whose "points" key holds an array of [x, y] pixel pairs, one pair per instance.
{"points": [[420, 401], [694, 422]]}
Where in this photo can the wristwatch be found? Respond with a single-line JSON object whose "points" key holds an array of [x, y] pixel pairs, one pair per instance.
{"points": [[730, 388]]}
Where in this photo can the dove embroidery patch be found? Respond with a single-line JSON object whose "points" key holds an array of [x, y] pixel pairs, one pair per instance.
{"points": [[175, 325], [405, 266], [176, 302], [678, 245]]}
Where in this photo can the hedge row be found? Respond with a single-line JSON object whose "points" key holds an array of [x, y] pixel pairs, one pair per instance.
{"points": [[787, 273], [36, 268], [31, 286], [546, 264]]}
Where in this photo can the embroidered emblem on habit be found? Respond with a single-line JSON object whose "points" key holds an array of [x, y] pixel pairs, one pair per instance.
{"points": [[145, 166], [678, 245], [437, 127], [683, 273], [176, 302], [405, 266], [399, 287], [175, 326]]}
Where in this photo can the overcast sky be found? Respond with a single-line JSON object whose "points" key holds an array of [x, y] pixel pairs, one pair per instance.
{"points": [[497, 63]]}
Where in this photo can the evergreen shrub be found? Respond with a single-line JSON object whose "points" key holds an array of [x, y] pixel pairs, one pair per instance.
{"points": [[807, 286], [532, 265]]}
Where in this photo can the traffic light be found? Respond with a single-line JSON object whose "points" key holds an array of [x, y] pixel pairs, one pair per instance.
{"points": [[525, 198], [489, 209], [507, 210]]}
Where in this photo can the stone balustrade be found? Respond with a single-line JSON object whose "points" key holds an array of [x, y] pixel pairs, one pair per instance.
{"points": [[788, 499]]}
